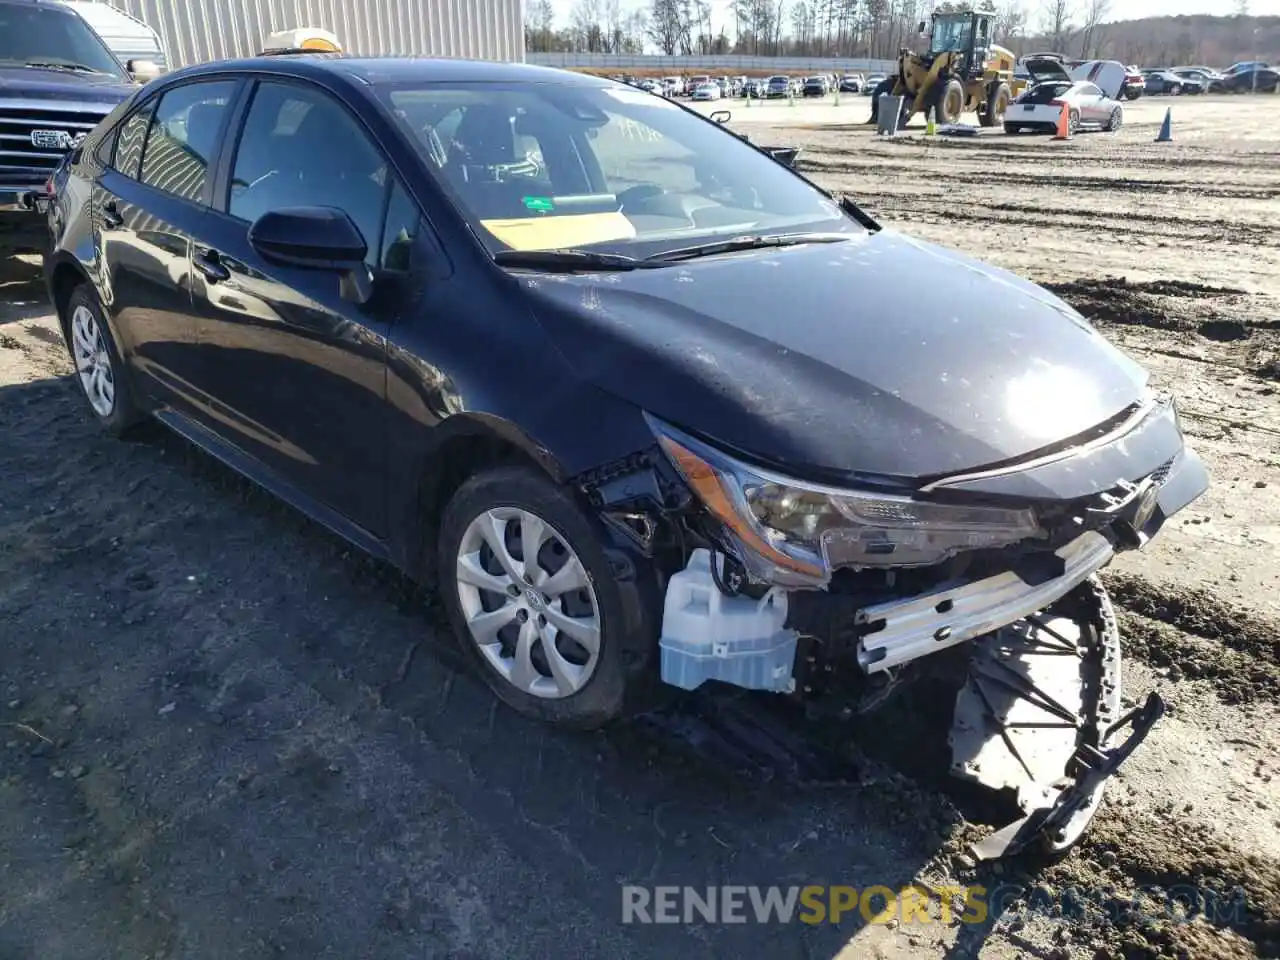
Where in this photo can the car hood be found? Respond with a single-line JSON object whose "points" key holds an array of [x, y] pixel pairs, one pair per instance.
{"points": [[881, 355], [31, 83]]}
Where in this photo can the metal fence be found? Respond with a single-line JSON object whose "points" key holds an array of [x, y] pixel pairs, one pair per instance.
{"points": [[725, 64], [193, 31]]}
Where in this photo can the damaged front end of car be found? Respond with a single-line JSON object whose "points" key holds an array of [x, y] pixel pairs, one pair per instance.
{"points": [[837, 594]]}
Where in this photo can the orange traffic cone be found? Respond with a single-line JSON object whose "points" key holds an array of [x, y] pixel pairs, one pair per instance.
{"points": [[1064, 124]]}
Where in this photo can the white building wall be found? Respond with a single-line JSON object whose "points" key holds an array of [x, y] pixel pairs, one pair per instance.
{"points": [[194, 31]]}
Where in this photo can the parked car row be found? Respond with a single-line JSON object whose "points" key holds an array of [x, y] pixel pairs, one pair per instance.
{"points": [[705, 87], [1244, 77]]}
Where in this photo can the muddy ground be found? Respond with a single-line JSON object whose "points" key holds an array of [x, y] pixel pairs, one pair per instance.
{"points": [[224, 734]]}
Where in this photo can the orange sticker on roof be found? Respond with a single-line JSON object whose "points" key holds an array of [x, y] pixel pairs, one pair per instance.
{"points": [[551, 233]]}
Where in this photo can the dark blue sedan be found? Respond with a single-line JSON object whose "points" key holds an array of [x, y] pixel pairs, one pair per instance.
{"points": [[644, 403]]}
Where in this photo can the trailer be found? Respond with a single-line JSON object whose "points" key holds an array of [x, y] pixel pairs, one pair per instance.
{"points": [[196, 31]]}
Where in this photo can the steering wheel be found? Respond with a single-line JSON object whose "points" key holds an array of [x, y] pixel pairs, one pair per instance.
{"points": [[435, 146], [639, 193]]}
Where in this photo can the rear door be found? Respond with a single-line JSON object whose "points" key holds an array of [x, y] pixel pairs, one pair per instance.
{"points": [[299, 370], [145, 206]]}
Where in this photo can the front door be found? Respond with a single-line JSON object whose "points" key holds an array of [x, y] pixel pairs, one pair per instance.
{"points": [[300, 372]]}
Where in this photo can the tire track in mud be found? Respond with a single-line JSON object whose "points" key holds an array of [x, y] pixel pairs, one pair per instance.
{"points": [[1233, 896], [1234, 677], [906, 206], [1199, 613], [1248, 339], [1241, 229], [983, 177]]}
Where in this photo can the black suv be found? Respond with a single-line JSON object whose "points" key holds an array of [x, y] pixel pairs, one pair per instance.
{"points": [[642, 401], [57, 81]]}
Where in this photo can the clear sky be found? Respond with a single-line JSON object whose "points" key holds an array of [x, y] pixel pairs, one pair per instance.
{"points": [[1120, 9]]}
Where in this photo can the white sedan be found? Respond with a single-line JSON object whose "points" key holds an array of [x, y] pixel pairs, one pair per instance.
{"points": [[707, 91], [1039, 107]]}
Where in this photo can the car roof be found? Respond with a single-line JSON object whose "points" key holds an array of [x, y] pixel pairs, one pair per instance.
{"points": [[373, 71], [42, 4]]}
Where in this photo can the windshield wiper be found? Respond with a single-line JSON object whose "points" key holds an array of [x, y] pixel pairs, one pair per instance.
{"points": [[61, 65], [746, 243], [570, 260]]}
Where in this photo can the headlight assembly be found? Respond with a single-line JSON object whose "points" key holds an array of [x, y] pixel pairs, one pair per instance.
{"points": [[804, 530]]}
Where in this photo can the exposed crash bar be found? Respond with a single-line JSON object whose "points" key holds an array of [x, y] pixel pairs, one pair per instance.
{"points": [[933, 621]]}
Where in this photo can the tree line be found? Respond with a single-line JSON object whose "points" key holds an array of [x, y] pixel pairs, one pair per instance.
{"points": [[879, 28]]}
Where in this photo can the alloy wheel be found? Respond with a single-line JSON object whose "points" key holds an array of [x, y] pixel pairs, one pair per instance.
{"points": [[93, 361], [528, 603]]}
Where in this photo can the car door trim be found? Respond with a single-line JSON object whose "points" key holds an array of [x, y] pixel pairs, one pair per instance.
{"points": [[254, 470]]}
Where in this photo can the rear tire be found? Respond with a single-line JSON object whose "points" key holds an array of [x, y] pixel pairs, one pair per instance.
{"points": [[548, 641], [100, 370], [1115, 120], [1073, 122]]}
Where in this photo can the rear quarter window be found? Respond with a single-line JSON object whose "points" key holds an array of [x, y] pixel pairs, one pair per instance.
{"points": [[132, 135]]}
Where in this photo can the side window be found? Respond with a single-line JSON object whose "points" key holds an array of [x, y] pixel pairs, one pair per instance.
{"points": [[133, 132], [400, 231], [301, 148], [184, 137]]}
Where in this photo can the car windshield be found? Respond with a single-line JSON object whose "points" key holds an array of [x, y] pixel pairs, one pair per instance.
{"points": [[52, 38], [548, 166]]}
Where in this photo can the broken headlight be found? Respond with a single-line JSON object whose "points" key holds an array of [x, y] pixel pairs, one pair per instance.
{"points": [[805, 529]]}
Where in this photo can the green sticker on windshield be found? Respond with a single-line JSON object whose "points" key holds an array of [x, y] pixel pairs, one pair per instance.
{"points": [[541, 204]]}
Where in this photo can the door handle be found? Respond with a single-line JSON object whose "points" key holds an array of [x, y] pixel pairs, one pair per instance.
{"points": [[111, 215], [211, 267]]}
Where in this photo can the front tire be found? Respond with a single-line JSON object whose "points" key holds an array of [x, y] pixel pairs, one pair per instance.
{"points": [[948, 102], [100, 371], [547, 634], [997, 105], [1115, 120]]}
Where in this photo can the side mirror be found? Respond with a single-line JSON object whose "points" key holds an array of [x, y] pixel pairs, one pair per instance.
{"points": [[721, 116], [143, 71], [922, 28], [316, 238]]}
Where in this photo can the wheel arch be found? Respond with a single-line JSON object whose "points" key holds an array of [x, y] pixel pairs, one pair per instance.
{"points": [[64, 275], [459, 448]]}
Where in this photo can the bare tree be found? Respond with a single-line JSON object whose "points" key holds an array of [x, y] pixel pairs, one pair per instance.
{"points": [[1091, 34], [665, 26], [539, 19], [1057, 16], [584, 21], [1010, 23]]}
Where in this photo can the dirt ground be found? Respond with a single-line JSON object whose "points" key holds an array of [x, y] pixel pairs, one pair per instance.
{"points": [[224, 734]]}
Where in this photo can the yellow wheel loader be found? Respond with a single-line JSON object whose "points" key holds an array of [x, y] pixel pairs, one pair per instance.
{"points": [[963, 70]]}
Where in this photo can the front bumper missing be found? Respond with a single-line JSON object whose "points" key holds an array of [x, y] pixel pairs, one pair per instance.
{"points": [[906, 629], [1039, 715]]}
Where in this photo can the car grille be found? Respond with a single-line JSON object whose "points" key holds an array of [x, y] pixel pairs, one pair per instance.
{"points": [[22, 163]]}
